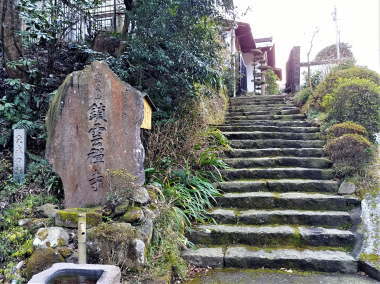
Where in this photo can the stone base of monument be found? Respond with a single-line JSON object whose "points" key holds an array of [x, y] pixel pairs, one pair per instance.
{"points": [[78, 273]]}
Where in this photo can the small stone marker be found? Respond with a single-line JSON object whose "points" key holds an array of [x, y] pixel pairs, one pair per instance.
{"points": [[19, 146], [93, 126]]}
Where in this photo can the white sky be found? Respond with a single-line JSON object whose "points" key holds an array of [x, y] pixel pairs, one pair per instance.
{"points": [[292, 22]]}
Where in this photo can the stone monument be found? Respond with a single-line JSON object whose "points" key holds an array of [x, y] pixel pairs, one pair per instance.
{"points": [[19, 146], [93, 126]]}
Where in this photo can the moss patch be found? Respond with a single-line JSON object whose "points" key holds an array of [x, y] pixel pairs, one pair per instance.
{"points": [[134, 214], [40, 260], [69, 217]]}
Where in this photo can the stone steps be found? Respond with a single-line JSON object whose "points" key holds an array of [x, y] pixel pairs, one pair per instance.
{"points": [[280, 173], [263, 112], [270, 236], [275, 143], [287, 201], [259, 135], [269, 162], [253, 104], [273, 258], [280, 185], [279, 206], [271, 152], [258, 98], [334, 219], [266, 117], [269, 129], [280, 123], [243, 109]]}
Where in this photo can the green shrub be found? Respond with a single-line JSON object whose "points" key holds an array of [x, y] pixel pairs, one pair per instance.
{"points": [[356, 100], [193, 193], [271, 81], [302, 96], [164, 253], [349, 127], [349, 152], [331, 82]]}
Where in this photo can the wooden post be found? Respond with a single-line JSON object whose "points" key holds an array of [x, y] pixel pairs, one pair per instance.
{"points": [[82, 253], [19, 146]]}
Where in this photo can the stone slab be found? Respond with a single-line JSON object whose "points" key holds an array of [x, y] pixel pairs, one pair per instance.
{"points": [[288, 200], [247, 276], [204, 257], [93, 126], [325, 261], [270, 235]]}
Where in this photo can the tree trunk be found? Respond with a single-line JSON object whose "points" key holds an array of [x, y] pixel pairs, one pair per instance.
{"points": [[10, 41], [128, 7]]}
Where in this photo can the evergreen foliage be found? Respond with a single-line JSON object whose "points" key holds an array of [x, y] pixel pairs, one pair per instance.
{"points": [[356, 100], [172, 46], [271, 82], [327, 86]]}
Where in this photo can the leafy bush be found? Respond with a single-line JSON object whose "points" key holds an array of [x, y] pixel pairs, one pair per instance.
{"points": [[271, 82], [302, 96], [331, 82], [316, 77], [164, 253], [190, 192], [349, 152], [171, 46], [349, 127], [356, 100]]}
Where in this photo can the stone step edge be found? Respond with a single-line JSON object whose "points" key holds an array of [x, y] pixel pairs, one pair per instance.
{"points": [[287, 195], [279, 185], [275, 169], [324, 219], [275, 158], [220, 257], [304, 231], [237, 212]]}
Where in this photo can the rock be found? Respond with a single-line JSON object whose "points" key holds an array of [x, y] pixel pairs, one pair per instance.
{"points": [[138, 252], [34, 223], [145, 231], [115, 243], [65, 251], [74, 258], [133, 215], [140, 195], [347, 188], [51, 237], [24, 222], [121, 209], [154, 190], [48, 210], [69, 217], [94, 124], [40, 260], [150, 214]]}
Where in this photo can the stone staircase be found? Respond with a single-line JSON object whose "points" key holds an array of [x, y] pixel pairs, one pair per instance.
{"points": [[279, 207]]}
